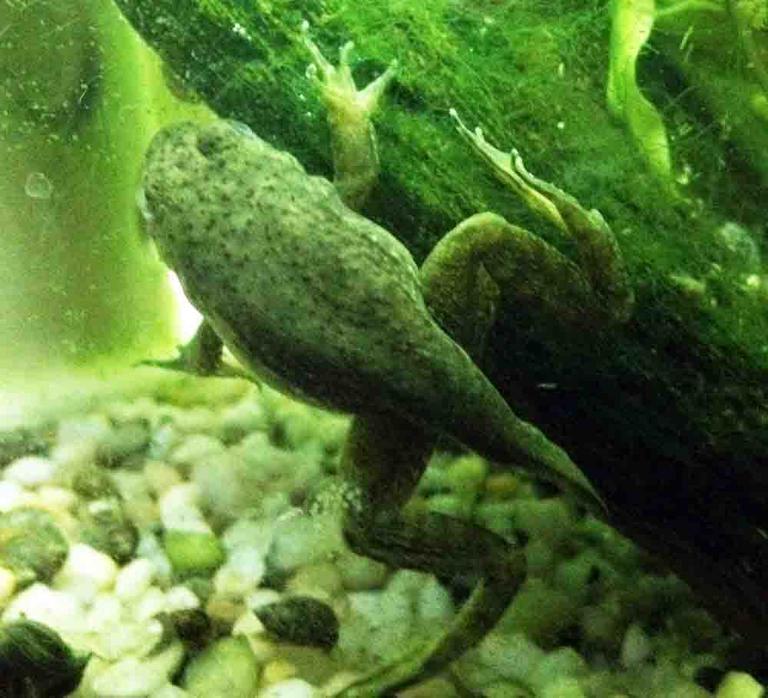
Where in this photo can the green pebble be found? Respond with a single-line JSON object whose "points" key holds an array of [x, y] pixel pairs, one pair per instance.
{"points": [[557, 673], [193, 553], [31, 545], [466, 475], [540, 613], [499, 517], [227, 669], [739, 685], [450, 505], [562, 688]]}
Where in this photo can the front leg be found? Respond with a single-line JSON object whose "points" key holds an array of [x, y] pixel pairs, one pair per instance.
{"points": [[355, 157]]}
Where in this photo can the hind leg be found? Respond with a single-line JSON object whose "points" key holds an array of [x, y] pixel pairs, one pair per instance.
{"points": [[384, 459]]}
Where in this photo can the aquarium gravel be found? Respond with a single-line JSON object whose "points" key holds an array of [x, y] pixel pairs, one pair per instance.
{"points": [[184, 538]]}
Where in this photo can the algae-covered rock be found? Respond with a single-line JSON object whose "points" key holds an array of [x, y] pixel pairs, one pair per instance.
{"points": [[301, 620], [35, 661], [31, 545]]}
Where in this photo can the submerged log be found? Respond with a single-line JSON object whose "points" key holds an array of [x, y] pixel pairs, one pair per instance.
{"points": [[668, 415]]}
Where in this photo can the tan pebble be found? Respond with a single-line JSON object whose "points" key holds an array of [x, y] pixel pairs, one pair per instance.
{"points": [[142, 512], [262, 597], [160, 476], [312, 664], [7, 585], [224, 612], [277, 670], [262, 647], [339, 681], [248, 624], [501, 485], [434, 688], [321, 581], [67, 523]]}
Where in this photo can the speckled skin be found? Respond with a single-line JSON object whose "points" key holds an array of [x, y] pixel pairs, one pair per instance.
{"points": [[317, 299], [329, 306]]}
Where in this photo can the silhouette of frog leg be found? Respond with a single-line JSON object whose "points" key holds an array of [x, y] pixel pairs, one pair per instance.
{"points": [[202, 356], [524, 270], [601, 266], [384, 459], [353, 140]]}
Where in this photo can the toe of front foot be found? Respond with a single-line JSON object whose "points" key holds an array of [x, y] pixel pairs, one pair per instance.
{"points": [[336, 84]]}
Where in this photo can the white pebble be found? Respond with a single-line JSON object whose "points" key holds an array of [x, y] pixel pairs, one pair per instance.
{"points": [[636, 647], [75, 454], [130, 637], [12, 496], [248, 624], [133, 677], [180, 598], [151, 603], [195, 448], [86, 572], [56, 498], [170, 691], [292, 688], [56, 609], [151, 549], [163, 440], [105, 611], [241, 574], [93, 427], [30, 471], [195, 420], [7, 585], [134, 579], [262, 597], [179, 509], [245, 416]]}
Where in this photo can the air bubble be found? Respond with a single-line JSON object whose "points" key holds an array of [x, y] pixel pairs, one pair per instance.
{"points": [[38, 186]]}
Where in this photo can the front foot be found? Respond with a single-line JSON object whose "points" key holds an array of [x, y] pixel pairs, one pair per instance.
{"points": [[355, 158], [601, 261], [541, 197], [337, 86], [201, 356]]}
